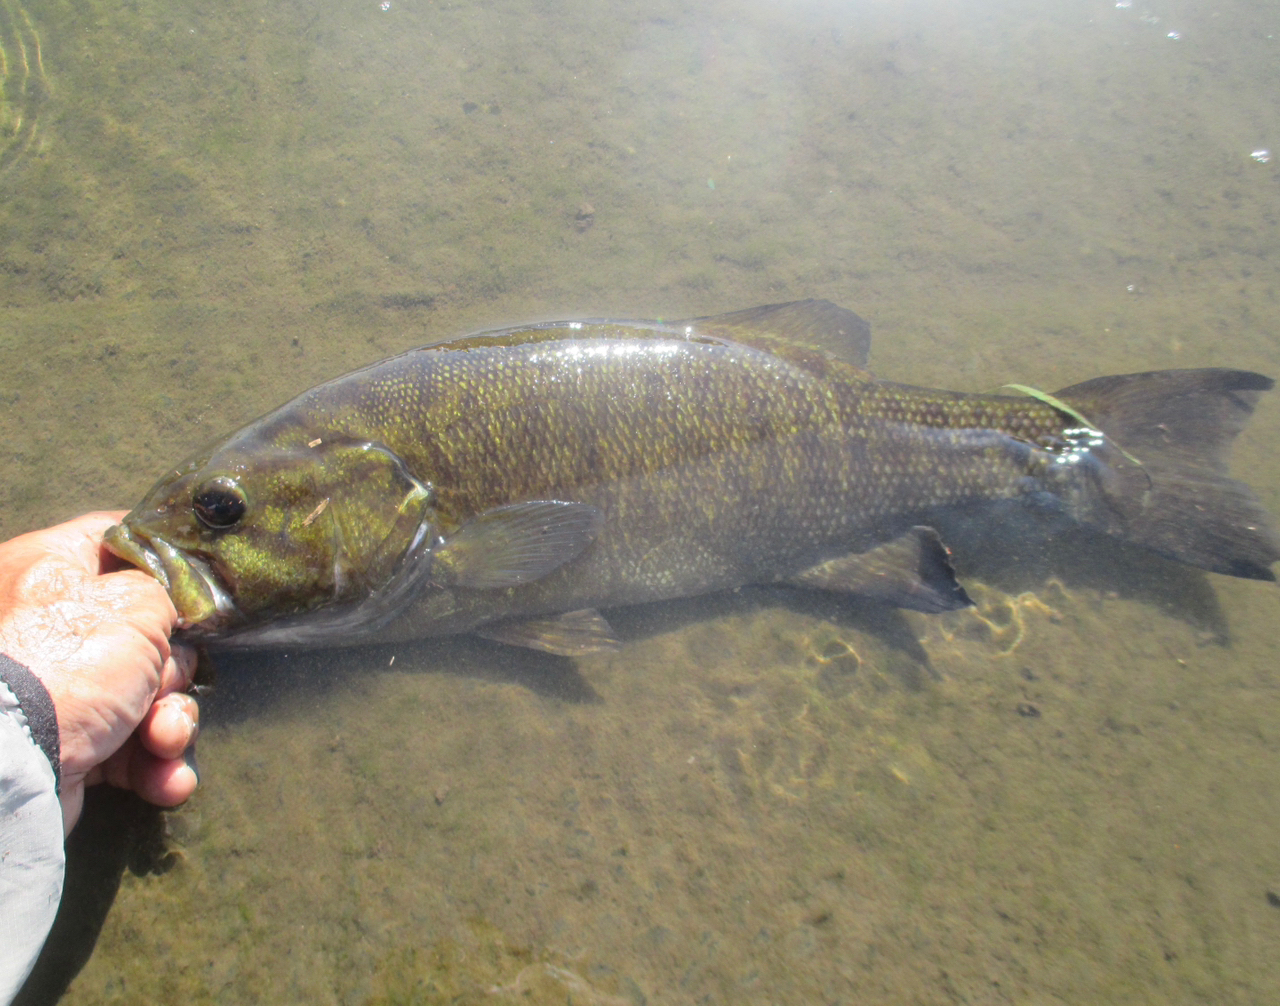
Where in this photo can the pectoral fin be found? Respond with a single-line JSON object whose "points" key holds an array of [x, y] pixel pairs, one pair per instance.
{"points": [[573, 634], [515, 544], [912, 571]]}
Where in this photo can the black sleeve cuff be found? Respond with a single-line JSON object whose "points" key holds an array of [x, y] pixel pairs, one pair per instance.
{"points": [[38, 708]]}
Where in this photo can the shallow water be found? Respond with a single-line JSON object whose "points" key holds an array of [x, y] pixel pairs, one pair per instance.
{"points": [[1066, 794]]}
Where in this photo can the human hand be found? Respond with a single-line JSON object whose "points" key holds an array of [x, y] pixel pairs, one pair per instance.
{"points": [[97, 636]]}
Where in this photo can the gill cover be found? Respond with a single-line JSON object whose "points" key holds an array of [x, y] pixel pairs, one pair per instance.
{"points": [[251, 535]]}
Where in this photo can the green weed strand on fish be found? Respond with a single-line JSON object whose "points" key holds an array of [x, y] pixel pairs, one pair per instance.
{"points": [[1067, 410]]}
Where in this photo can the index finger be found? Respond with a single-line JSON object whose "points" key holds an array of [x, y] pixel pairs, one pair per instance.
{"points": [[78, 540], [141, 596], [179, 670]]}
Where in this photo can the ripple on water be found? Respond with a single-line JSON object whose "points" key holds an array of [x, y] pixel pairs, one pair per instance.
{"points": [[23, 87]]}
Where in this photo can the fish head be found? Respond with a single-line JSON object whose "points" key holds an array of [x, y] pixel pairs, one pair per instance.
{"points": [[252, 533]]}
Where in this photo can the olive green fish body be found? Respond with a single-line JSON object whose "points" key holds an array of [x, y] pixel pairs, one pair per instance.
{"points": [[507, 478]]}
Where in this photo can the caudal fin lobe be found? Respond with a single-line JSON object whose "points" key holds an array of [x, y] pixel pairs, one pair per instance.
{"points": [[1161, 479]]}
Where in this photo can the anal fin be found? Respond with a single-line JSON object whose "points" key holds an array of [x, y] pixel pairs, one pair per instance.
{"points": [[912, 571], [573, 634]]}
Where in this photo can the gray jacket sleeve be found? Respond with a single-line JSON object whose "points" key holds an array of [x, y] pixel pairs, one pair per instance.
{"points": [[31, 841]]}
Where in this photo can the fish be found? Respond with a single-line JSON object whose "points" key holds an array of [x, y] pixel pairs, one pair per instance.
{"points": [[514, 483]]}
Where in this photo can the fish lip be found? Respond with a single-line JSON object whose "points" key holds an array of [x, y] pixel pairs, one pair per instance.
{"points": [[202, 602], [123, 543]]}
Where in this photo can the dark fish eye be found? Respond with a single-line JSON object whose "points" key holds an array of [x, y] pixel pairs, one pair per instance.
{"points": [[219, 504]]}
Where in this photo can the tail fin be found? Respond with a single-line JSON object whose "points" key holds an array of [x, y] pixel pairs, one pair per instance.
{"points": [[1159, 478]]}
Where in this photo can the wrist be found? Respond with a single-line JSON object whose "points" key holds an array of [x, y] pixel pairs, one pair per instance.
{"points": [[36, 705]]}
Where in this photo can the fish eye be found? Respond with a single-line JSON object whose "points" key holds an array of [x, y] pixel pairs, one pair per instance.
{"points": [[219, 503]]}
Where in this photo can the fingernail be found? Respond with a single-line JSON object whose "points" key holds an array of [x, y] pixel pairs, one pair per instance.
{"points": [[191, 712], [189, 757]]}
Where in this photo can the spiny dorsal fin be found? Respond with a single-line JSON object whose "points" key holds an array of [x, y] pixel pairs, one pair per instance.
{"points": [[807, 333]]}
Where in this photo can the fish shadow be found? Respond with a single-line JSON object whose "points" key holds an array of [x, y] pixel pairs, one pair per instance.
{"points": [[1013, 549], [244, 685], [117, 831], [248, 684]]}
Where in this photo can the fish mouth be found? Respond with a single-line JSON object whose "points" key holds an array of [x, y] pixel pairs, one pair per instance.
{"points": [[203, 603]]}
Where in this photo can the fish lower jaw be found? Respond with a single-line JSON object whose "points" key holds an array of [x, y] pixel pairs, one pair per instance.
{"points": [[202, 602]]}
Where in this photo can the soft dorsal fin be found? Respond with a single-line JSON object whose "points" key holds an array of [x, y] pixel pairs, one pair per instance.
{"points": [[806, 324]]}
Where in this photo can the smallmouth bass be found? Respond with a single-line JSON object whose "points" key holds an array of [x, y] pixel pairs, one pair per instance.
{"points": [[514, 482]]}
